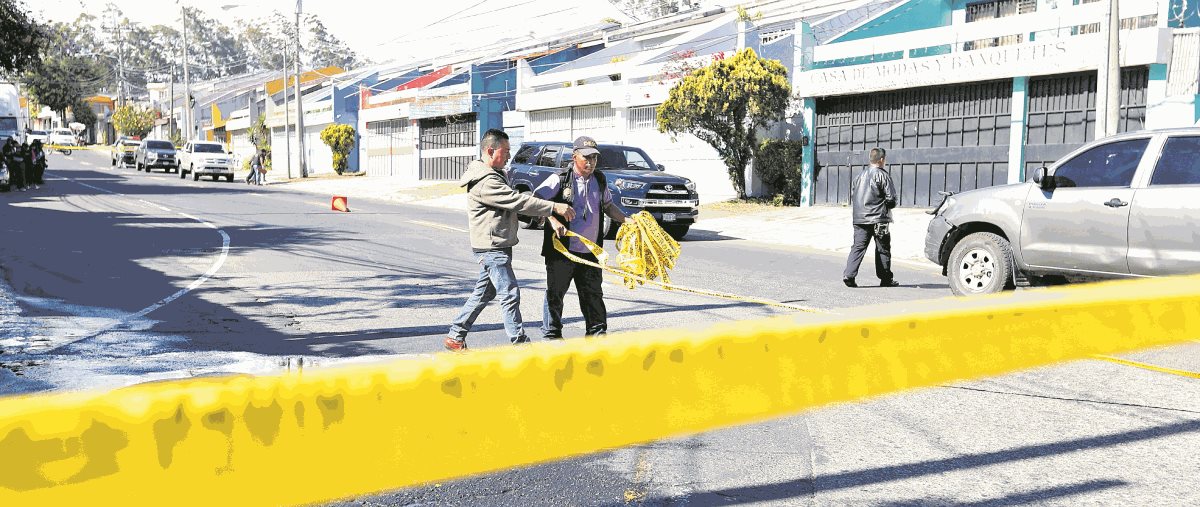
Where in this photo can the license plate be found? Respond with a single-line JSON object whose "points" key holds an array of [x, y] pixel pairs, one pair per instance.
{"points": [[668, 217]]}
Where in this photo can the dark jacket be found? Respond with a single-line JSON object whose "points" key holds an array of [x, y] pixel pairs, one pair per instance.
{"points": [[564, 182], [873, 196]]}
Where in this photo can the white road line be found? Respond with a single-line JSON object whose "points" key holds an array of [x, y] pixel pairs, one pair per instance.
{"points": [[436, 225], [192, 286]]}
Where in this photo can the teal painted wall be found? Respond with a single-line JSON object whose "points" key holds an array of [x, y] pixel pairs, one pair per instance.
{"points": [[910, 16]]}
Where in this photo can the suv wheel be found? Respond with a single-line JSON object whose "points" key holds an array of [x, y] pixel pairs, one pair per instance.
{"points": [[980, 263], [677, 231]]}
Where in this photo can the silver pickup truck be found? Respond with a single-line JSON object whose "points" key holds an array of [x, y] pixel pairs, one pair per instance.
{"points": [[1123, 206]]}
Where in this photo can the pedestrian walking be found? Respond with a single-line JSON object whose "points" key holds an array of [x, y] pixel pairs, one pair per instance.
{"points": [[492, 211], [585, 189], [873, 195], [37, 158], [257, 174]]}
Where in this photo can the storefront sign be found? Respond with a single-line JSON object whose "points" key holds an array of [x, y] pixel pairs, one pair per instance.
{"points": [[1039, 58]]}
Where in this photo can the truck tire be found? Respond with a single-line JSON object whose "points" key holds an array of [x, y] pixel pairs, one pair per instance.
{"points": [[980, 263], [677, 231]]}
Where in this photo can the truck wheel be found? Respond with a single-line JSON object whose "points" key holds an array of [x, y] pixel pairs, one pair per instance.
{"points": [[677, 231], [229, 178], [980, 263]]}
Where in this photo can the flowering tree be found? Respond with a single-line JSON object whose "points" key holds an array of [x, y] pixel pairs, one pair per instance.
{"points": [[724, 103]]}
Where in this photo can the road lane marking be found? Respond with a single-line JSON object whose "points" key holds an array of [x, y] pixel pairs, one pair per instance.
{"points": [[216, 266], [1145, 366], [436, 225]]}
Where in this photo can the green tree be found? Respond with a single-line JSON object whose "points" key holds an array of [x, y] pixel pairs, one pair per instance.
{"points": [[24, 39], [61, 81], [340, 139], [83, 114], [724, 104], [133, 121], [260, 135]]}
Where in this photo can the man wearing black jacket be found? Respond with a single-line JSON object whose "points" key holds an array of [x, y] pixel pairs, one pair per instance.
{"points": [[873, 196]]}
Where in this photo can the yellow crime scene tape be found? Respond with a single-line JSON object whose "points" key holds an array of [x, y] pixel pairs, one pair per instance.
{"points": [[646, 252], [319, 435]]}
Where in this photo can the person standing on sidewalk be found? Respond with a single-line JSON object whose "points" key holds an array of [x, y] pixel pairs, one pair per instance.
{"points": [[873, 195], [492, 211], [586, 190], [37, 159]]}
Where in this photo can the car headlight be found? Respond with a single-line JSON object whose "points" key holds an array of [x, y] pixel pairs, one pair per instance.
{"points": [[691, 185], [625, 184]]}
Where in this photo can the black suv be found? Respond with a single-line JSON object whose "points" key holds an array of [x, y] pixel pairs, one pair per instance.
{"points": [[636, 182]]}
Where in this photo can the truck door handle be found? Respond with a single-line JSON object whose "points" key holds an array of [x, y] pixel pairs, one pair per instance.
{"points": [[1116, 203]]}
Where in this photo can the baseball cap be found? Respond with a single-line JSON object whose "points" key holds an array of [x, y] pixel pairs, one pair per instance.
{"points": [[585, 146]]}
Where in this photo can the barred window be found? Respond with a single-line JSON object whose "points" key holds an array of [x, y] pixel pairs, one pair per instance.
{"points": [[550, 120], [643, 117], [592, 117]]}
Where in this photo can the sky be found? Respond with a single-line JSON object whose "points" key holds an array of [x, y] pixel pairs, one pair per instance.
{"points": [[398, 30]]}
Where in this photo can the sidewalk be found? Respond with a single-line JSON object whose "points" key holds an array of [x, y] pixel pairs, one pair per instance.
{"points": [[820, 227]]}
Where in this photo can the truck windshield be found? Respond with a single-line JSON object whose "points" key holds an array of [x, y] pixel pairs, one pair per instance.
{"points": [[624, 158], [208, 148], [8, 124]]}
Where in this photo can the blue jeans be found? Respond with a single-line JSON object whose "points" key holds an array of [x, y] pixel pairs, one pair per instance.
{"points": [[496, 277]]}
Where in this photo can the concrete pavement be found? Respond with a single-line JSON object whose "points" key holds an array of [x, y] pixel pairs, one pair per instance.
{"points": [[821, 227]]}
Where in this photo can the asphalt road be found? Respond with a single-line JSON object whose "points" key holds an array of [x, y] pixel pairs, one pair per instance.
{"points": [[116, 277]]}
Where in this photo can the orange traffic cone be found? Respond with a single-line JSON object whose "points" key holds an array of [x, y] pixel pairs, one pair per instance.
{"points": [[340, 203]]}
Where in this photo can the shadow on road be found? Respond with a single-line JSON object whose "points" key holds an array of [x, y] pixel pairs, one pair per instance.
{"points": [[861, 478]]}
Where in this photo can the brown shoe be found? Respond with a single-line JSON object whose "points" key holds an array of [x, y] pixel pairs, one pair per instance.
{"points": [[455, 345]]}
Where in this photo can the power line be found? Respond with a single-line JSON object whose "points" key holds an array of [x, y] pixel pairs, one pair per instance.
{"points": [[435, 23]]}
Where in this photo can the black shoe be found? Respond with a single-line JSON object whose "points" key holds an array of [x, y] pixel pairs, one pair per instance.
{"points": [[889, 283], [849, 282], [552, 337]]}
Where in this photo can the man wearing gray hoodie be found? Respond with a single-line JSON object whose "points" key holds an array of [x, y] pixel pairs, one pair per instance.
{"points": [[492, 211]]}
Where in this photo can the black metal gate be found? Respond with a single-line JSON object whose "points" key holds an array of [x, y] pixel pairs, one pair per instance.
{"points": [[448, 144], [1062, 113], [945, 138]]}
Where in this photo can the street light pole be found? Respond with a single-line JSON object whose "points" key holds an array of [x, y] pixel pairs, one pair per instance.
{"points": [[287, 134], [299, 100]]}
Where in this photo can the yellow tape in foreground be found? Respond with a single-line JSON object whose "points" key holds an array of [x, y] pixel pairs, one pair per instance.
{"points": [[334, 433]]}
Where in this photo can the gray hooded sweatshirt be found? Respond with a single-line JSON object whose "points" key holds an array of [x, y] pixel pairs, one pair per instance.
{"points": [[493, 206]]}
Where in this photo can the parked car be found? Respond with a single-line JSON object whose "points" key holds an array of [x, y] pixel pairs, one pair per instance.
{"points": [[37, 135], [205, 158], [155, 153], [123, 151], [63, 137], [636, 182], [1120, 207]]}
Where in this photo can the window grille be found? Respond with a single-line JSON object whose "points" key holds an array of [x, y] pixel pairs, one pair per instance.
{"points": [[643, 117]]}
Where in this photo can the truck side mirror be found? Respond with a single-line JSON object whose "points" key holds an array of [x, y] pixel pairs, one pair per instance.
{"points": [[1043, 179], [662, 167]]}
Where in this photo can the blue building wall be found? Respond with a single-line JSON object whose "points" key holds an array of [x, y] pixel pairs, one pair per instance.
{"points": [[910, 16], [494, 84], [346, 103]]}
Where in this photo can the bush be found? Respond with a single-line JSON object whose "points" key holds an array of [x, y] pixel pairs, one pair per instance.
{"points": [[778, 164], [340, 139]]}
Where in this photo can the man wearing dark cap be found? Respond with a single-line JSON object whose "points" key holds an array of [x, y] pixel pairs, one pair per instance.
{"points": [[586, 191]]}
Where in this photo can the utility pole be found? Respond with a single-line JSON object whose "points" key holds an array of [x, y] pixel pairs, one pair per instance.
{"points": [[287, 134], [120, 63], [299, 99], [187, 81], [171, 133], [1108, 79]]}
